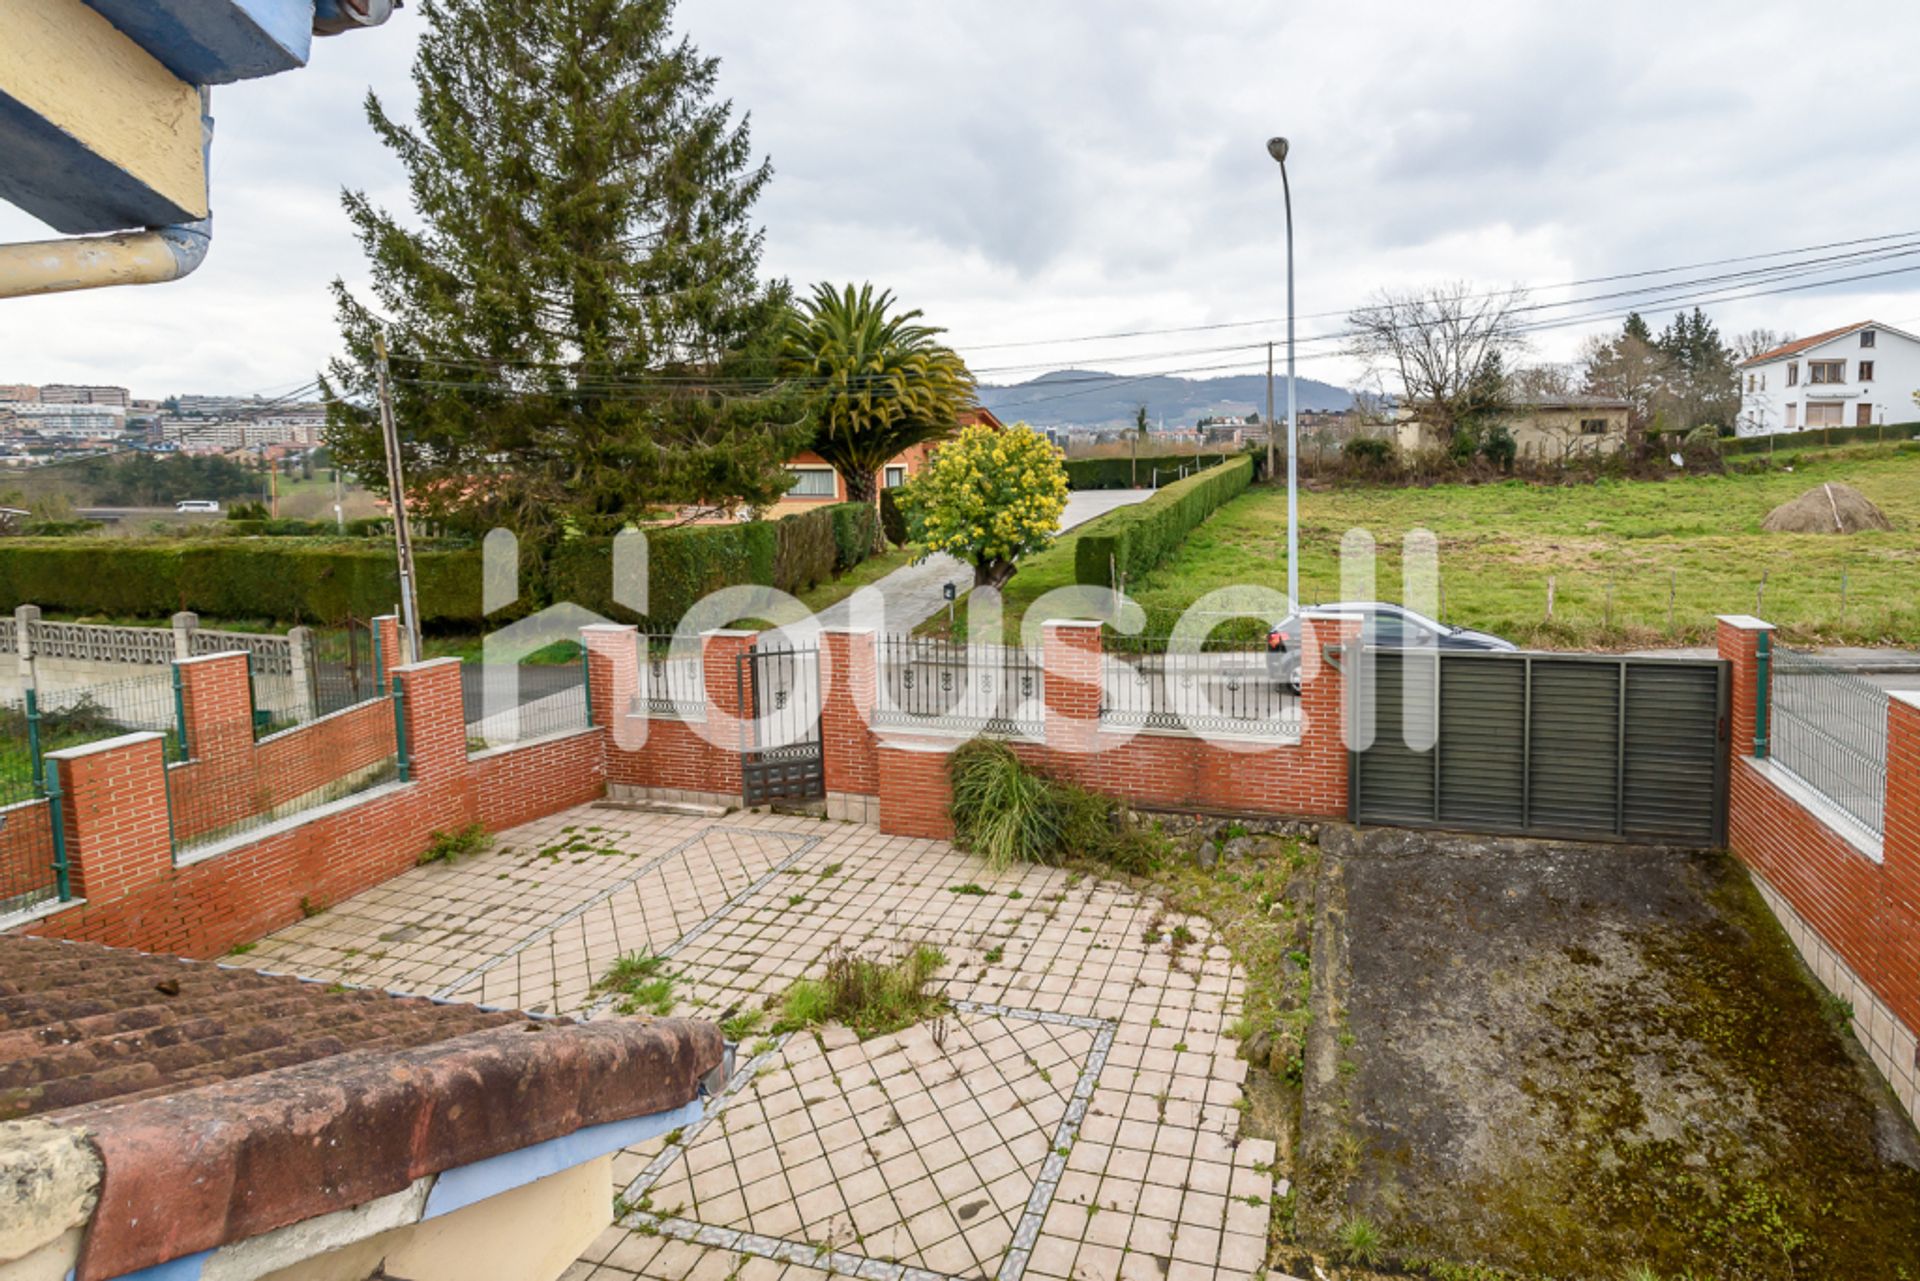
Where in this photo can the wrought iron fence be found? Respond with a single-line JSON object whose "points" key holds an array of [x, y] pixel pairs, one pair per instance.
{"points": [[519, 702], [1230, 690], [344, 665], [981, 689], [672, 677], [1829, 727]]}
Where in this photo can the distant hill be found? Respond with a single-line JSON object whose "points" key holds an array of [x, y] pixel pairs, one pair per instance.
{"points": [[1067, 398]]}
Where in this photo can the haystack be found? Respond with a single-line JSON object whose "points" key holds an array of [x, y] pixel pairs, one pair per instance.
{"points": [[1826, 509]]}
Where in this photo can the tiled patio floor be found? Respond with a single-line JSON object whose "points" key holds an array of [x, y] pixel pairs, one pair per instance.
{"points": [[1072, 1117]]}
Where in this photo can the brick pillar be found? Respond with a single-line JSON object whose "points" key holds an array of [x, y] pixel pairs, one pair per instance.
{"points": [[435, 718], [1326, 731], [613, 679], [846, 710], [914, 789], [217, 786], [1738, 638], [1072, 655], [728, 701], [386, 633], [114, 814]]}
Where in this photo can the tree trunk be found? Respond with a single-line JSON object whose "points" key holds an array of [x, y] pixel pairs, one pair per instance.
{"points": [[993, 573], [864, 487]]}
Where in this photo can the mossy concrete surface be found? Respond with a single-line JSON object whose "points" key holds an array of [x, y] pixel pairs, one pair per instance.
{"points": [[1571, 1061]]}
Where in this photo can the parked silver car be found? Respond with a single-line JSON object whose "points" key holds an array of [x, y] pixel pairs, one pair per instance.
{"points": [[1383, 624]]}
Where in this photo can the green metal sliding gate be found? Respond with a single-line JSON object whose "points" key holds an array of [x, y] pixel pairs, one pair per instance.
{"points": [[1575, 746]]}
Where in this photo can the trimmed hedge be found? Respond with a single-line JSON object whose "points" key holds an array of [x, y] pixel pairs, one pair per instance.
{"points": [[1818, 436], [1132, 540], [1117, 473], [295, 580]]}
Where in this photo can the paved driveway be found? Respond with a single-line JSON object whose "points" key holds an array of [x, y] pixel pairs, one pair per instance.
{"points": [[915, 593], [1071, 1116]]}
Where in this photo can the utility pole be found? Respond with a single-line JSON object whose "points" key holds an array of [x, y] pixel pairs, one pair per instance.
{"points": [[397, 495], [1270, 440]]}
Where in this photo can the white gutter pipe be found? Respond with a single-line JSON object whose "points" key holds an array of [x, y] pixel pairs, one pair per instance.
{"points": [[96, 262]]}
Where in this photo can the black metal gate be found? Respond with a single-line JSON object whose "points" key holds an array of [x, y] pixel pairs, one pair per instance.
{"points": [[781, 758], [1575, 746]]}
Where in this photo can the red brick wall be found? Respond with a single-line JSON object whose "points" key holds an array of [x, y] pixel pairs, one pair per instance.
{"points": [[913, 789], [1171, 771], [116, 821], [1868, 912], [673, 753]]}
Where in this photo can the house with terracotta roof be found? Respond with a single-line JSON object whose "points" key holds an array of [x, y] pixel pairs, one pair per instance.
{"points": [[816, 483], [175, 1120], [1858, 375]]}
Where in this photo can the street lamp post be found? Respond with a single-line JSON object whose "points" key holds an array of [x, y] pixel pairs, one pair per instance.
{"points": [[1277, 148]]}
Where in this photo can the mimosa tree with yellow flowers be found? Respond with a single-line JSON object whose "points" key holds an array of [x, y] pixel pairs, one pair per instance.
{"points": [[989, 497]]}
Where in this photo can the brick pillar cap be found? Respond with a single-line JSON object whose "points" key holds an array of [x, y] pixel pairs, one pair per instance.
{"points": [[727, 631], [1746, 622], [932, 747], [105, 745], [1320, 615], [610, 627], [381, 618], [1073, 622], [425, 665], [209, 658], [844, 629], [1911, 697]]}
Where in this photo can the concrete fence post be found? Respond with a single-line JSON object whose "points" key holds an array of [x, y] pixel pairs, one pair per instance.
{"points": [[185, 624], [25, 619], [306, 698]]}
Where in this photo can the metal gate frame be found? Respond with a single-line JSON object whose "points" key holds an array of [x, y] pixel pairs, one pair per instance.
{"points": [[793, 766], [1723, 734]]}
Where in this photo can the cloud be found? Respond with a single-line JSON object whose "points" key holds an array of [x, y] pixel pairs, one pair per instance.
{"points": [[1027, 171]]}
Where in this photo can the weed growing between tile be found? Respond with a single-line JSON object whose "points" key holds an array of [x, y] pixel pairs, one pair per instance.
{"points": [[870, 995]]}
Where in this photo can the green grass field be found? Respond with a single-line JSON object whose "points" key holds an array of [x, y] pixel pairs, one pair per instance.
{"points": [[1633, 541]]}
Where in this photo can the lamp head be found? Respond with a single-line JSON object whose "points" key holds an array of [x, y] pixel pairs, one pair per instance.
{"points": [[1277, 148]]}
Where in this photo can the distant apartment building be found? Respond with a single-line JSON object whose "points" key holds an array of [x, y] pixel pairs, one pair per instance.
{"points": [[70, 394], [18, 392], [69, 419], [202, 435], [1855, 376]]}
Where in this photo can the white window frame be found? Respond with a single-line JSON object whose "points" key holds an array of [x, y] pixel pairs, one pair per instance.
{"points": [[893, 471], [832, 490]]}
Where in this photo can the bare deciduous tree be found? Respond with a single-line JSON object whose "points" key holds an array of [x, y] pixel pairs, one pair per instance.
{"points": [[1435, 341], [1756, 342], [1537, 383]]}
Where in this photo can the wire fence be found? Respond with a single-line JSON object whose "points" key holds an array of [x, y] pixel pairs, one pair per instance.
{"points": [[232, 785], [1829, 727], [515, 703], [672, 677], [1231, 690], [927, 683]]}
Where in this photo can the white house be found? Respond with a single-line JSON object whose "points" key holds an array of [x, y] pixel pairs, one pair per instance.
{"points": [[1855, 376]]}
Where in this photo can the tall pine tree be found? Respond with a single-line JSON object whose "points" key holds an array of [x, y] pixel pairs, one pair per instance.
{"points": [[577, 327]]}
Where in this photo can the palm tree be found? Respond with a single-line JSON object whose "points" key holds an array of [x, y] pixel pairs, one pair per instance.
{"points": [[878, 380]]}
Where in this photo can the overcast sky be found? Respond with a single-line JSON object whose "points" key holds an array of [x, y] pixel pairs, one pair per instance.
{"points": [[1039, 171]]}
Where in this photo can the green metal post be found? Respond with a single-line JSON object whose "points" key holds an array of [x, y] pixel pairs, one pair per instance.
{"points": [[1763, 687], [33, 742], [586, 683], [180, 714], [400, 729], [62, 878], [379, 668]]}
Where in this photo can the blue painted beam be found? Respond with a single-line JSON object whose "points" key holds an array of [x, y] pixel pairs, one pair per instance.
{"points": [[211, 42]]}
